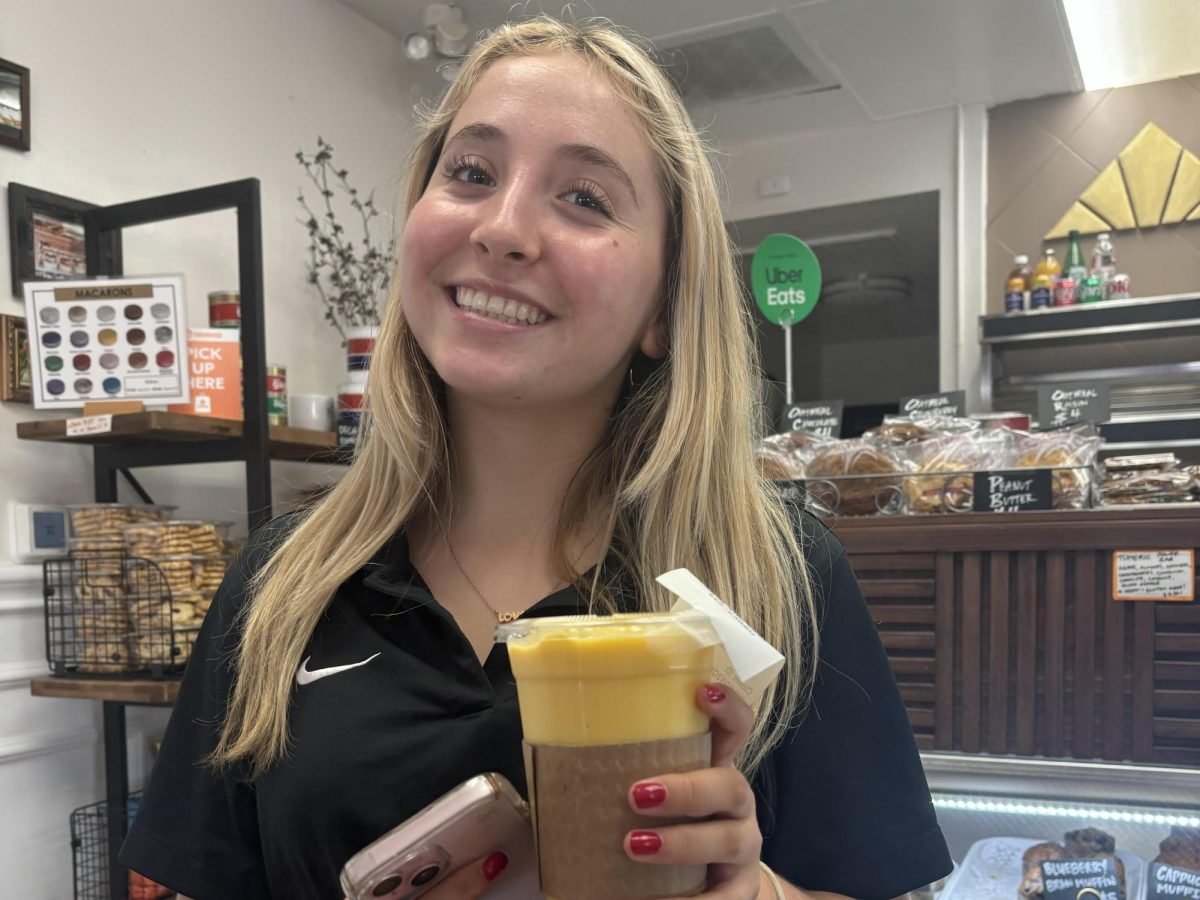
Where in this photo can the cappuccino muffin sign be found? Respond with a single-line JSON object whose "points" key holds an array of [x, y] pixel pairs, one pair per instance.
{"points": [[112, 339]]}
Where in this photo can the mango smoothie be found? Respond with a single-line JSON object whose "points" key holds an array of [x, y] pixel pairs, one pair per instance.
{"points": [[606, 701], [611, 679]]}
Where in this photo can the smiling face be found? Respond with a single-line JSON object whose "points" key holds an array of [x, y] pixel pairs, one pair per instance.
{"points": [[532, 266]]}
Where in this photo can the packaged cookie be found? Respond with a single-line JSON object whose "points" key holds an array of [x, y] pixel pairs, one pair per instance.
{"points": [[106, 657], [96, 558], [152, 616], [175, 537], [841, 476], [1070, 454], [98, 519], [163, 648], [942, 469], [150, 513]]}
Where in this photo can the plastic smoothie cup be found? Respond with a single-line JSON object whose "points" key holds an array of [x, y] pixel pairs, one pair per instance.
{"points": [[606, 701]]}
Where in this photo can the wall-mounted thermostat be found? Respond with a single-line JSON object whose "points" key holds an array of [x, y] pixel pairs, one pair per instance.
{"points": [[36, 531]]}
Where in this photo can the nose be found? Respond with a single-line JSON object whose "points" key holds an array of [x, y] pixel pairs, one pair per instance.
{"points": [[507, 227]]}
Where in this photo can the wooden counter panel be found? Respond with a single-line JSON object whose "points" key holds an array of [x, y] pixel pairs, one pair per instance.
{"points": [[1004, 638]]}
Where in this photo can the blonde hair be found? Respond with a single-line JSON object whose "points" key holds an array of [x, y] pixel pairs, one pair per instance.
{"points": [[675, 472]]}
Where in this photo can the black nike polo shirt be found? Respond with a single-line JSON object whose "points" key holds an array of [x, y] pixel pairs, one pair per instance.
{"points": [[391, 709]]}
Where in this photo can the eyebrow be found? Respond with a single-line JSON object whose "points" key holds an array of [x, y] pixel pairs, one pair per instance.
{"points": [[585, 153]]}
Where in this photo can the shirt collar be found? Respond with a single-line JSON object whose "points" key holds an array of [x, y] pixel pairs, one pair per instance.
{"points": [[391, 572]]}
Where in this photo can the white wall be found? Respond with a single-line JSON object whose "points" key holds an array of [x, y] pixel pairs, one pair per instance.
{"points": [[134, 99], [868, 160]]}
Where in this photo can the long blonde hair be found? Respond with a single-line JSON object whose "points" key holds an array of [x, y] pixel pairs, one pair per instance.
{"points": [[675, 473]]}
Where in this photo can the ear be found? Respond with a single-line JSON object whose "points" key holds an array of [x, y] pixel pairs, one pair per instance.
{"points": [[653, 342]]}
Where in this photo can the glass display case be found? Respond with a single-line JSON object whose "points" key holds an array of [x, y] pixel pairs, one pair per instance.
{"points": [[1137, 826]]}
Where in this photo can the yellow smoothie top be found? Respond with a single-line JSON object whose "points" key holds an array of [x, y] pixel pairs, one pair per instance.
{"points": [[625, 643]]}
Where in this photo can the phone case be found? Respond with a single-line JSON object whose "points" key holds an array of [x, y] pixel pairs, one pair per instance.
{"points": [[482, 815]]}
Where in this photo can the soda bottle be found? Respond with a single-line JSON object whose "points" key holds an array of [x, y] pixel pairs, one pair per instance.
{"points": [[1076, 269], [1104, 260], [1045, 280], [1016, 288]]}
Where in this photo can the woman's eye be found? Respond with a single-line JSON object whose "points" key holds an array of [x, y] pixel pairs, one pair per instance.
{"points": [[588, 199], [473, 175]]}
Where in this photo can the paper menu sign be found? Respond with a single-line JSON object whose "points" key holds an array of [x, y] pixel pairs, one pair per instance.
{"points": [[744, 661], [214, 373]]}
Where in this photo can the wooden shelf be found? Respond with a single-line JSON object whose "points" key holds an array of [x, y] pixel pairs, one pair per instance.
{"points": [[297, 444], [153, 693]]}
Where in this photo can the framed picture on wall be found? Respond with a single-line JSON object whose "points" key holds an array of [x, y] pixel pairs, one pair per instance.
{"points": [[16, 385], [14, 105], [48, 238]]}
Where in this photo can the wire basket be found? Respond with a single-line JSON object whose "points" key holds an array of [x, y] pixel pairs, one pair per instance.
{"points": [[109, 613], [95, 830]]}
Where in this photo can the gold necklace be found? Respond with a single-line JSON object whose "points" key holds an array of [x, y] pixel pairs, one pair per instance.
{"points": [[501, 617]]}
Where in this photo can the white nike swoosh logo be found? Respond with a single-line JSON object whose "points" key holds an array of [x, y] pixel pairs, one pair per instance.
{"points": [[304, 676]]}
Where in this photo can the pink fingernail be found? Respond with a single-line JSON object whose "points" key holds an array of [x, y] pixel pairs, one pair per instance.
{"points": [[715, 694], [648, 794], [645, 843]]}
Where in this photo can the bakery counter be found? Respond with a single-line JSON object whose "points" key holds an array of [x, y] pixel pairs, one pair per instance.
{"points": [[1006, 640]]}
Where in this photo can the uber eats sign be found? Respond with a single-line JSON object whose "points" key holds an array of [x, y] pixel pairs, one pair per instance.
{"points": [[785, 278]]}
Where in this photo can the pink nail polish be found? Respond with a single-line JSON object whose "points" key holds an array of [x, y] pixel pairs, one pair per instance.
{"points": [[715, 694], [649, 794], [494, 865], [645, 843]]}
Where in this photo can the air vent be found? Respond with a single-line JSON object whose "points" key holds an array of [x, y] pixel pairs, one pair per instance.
{"points": [[750, 59]]}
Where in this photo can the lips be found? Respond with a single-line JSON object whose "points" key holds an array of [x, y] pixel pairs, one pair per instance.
{"points": [[495, 306]]}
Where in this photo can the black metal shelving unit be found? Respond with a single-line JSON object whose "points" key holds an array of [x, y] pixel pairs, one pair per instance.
{"points": [[250, 443]]}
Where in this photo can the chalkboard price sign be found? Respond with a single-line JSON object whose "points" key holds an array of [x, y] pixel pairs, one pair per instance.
{"points": [[1167, 881], [824, 418], [948, 403], [1013, 490], [1060, 405], [1081, 879]]}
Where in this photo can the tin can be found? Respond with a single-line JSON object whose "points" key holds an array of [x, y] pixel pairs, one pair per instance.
{"points": [[360, 344], [224, 309], [277, 401], [1064, 292], [1092, 290], [1118, 287], [349, 412]]}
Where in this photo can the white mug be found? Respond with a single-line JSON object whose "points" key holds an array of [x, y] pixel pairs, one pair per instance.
{"points": [[314, 411]]}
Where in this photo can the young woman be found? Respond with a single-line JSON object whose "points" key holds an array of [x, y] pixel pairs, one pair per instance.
{"points": [[560, 409]]}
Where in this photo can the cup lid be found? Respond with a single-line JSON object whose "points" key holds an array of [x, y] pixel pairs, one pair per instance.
{"points": [[654, 624]]}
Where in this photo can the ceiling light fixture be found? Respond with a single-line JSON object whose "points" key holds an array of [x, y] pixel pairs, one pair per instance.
{"points": [[1124, 42], [444, 37]]}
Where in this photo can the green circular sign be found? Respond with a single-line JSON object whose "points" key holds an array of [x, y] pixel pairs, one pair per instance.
{"points": [[785, 278]]}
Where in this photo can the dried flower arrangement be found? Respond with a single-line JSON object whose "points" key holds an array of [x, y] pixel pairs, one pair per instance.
{"points": [[349, 274]]}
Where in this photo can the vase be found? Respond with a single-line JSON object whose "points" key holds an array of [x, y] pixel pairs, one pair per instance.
{"points": [[360, 344]]}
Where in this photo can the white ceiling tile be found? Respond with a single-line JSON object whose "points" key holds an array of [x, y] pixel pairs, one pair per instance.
{"points": [[902, 56]]}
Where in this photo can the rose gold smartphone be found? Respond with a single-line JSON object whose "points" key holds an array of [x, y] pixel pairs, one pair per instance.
{"points": [[477, 818]]}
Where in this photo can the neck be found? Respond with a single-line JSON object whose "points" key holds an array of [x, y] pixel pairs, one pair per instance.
{"points": [[513, 470]]}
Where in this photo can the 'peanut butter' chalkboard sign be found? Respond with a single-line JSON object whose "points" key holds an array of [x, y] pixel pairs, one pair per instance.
{"points": [[1013, 490]]}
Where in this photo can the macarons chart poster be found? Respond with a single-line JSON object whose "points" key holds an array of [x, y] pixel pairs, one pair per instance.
{"points": [[111, 339]]}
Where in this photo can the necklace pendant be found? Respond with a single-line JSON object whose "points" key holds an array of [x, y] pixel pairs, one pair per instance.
{"points": [[503, 617]]}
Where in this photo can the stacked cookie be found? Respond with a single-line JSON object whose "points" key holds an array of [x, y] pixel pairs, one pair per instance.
{"points": [[142, 585], [188, 557]]}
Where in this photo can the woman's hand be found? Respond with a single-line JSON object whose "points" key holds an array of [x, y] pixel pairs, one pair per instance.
{"points": [[472, 880], [730, 843]]}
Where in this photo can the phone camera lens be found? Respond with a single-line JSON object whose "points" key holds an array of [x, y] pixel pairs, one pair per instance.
{"points": [[426, 875], [385, 887]]}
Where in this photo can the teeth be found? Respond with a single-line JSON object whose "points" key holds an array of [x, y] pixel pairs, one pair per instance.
{"points": [[501, 309]]}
